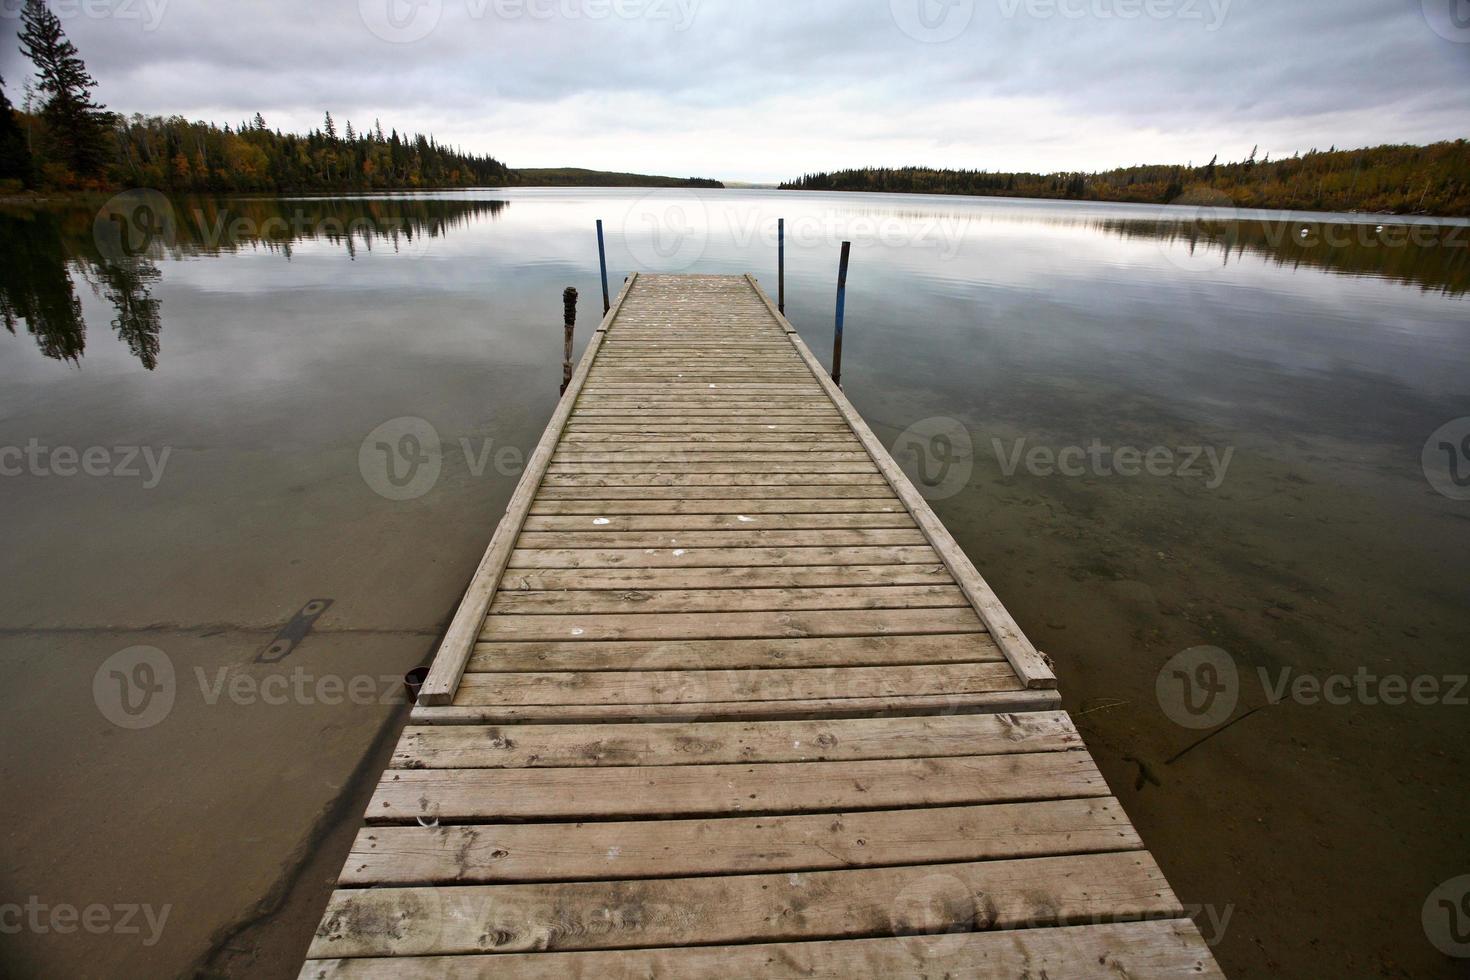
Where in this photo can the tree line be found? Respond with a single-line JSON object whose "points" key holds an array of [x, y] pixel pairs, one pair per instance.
{"points": [[1432, 179], [63, 139]]}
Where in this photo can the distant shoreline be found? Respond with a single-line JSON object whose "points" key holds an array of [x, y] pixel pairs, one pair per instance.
{"points": [[1424, 181], [1186, 209]]}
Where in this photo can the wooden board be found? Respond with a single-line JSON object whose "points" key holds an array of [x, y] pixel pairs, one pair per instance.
{"points": [[1170, 948], [837, 651], [724, 698], [772, 787], [784, 907], [572, 746], [490, 853]]}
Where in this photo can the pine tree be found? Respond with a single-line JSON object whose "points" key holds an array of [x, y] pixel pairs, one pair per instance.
{"points": [[15, 157], [331, 128], [76, 127]]}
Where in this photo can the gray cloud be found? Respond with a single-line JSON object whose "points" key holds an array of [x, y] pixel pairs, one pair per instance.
{"points": [[755, 89]]}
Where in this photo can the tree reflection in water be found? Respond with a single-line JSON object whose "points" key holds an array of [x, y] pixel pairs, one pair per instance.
{"points": [[117, 252]]}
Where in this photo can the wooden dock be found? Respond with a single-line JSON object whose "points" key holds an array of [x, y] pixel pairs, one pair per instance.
{"points": [[725, 699]]}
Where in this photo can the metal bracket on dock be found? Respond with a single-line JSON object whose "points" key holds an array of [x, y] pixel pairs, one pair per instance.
{"points": [[293, 632]]}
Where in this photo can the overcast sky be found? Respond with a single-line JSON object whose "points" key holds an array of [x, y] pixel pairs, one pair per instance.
{"points": [[765, 89]]}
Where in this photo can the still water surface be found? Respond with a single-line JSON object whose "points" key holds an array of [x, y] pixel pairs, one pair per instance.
{"points": [[1153, 429]]}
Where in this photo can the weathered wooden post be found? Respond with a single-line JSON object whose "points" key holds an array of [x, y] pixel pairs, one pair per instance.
{"points": [[841, 310], [602, 261], [781, 265], [569, 326]]}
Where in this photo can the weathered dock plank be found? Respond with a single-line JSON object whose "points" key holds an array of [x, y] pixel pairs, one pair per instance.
{"points": [[724, 698], [1141, 950]]}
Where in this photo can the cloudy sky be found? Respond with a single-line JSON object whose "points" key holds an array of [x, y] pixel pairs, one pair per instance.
{"points": [[765, 89]]}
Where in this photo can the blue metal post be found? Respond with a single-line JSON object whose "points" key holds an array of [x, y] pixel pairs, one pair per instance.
{"points": [[602, 261], [781, 265], [841, 310]]}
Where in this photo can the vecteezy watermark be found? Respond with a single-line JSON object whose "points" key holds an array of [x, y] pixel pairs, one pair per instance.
{"points": [[119, 462], [62, 918], [1450, 19], [1446, 917], [1096, 459], [133, 223], [932, 21], [139, 687], [135, 688], [1201, 687], [666, 232], [935, 913], [1446, 459], [149, 13], [1208, 227], [1210, 13], [830, 228], [401, 21], [407, 21], [403, 458], [298, 686], [1365, 687], [145, 223], [938, 455]]}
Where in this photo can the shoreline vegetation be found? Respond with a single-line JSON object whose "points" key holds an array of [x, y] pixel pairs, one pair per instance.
{"points": [[579, 177], [61, 141], [1420, 180]]}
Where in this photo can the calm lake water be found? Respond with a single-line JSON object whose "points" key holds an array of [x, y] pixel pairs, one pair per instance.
{"points": [[1152, 429]]}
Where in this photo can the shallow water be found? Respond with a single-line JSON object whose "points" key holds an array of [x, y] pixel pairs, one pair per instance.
{"points": [[1274, 389]]}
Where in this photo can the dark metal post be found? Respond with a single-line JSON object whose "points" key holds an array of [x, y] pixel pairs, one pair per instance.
{"points": [[841, 310], [602, 261], [781, 265], [569, 326]]}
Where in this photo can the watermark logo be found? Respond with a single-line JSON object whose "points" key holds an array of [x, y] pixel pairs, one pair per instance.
{"points": [[401, 21], [1201, 687], [1207, 463], [1446, 459], [1446, 917], [134, 223], [407, 21], [1202, 218], [830, 228], [1210, 13], [936, 913], [120, 462], [1450, 19], [149, 13], [1198, 688], [938, 455], [932, 21], [401, 459], [300, 687], [666, 233], [62, 918], [135, 688], [1207, 228]]}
